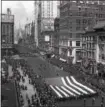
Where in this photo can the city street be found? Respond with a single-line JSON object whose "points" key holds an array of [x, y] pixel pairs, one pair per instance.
{"points": [[47, 70], [53, 53]]}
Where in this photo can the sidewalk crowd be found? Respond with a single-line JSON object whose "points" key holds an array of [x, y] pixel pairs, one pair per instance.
{"points": [[32, 91], [27, 82]]}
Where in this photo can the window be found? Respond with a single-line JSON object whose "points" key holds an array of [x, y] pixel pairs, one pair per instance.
{"points": [[89, 22], [103, 57], [79, 13], [70, 28], [79, 9], [100, 15], [78, 21], [78, 35], [93, 55], [84, 21], [70, 23], [70, 43], [70, 35], [3, 29], [78, 28], [77, 43], [71, 52], [70, 14]]}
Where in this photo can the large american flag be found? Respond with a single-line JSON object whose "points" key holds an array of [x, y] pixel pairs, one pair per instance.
{"points": [[71, 87]]}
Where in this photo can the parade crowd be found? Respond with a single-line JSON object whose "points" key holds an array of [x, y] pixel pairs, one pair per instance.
{"points": [[44, 96], [77, 70]]}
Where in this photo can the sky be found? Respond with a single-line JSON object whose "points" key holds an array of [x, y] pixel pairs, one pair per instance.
{"points": [[22, 10]]}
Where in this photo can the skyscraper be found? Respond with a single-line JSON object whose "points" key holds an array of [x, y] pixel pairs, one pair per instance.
{"points": [[47, 11]]}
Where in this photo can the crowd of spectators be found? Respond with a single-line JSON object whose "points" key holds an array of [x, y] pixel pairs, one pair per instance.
{"points": [[45, 96], [77, 70]]}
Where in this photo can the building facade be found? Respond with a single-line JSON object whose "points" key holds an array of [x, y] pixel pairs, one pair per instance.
{"points": [[55, 37], [46, 17], [29, 34], [75, 16], [93, 46], [7, 32]]}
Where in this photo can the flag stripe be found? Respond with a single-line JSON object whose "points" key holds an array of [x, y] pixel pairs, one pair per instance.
{"points": [[80, 89], [72, 86], [69, 86], [59, 91], [68, 91], [58, 94], [65, 94], [71, 90], [82, 85]]}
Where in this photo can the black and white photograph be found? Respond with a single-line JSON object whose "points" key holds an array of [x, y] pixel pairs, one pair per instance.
{"points": [[52, 53]]}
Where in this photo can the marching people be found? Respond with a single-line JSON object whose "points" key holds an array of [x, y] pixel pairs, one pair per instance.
{"points": [[102, 105], [93, 101], [84, 102], [102, 99]]}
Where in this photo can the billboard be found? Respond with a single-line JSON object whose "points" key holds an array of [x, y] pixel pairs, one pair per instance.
{"points": [[47, 38], [47, 25]]}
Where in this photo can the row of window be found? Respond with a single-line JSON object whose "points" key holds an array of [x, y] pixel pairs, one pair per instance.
{"points": [[84, 21], [88, 54], [65, 12], [89, 46], [78, 35], [7, 29], [88, 38], [5, 39], [102, 56], [65, 43]]}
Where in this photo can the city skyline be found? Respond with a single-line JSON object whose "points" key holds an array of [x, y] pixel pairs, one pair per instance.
{"points": [[23, 10]]}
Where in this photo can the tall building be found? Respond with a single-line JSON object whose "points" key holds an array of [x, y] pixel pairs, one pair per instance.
{"points": [[47, 9], [7, 32], [93, 46], [29, 34], [55, 37], [75, 16], [46, 16]]}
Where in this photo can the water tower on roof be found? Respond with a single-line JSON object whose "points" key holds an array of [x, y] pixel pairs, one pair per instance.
{"points": [[8, 11]]}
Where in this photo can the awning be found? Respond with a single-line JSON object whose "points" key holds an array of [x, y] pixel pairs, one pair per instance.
{"points": [[16, 57], [79, 61], [62, 59], [99, 25], [52, 56]]}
